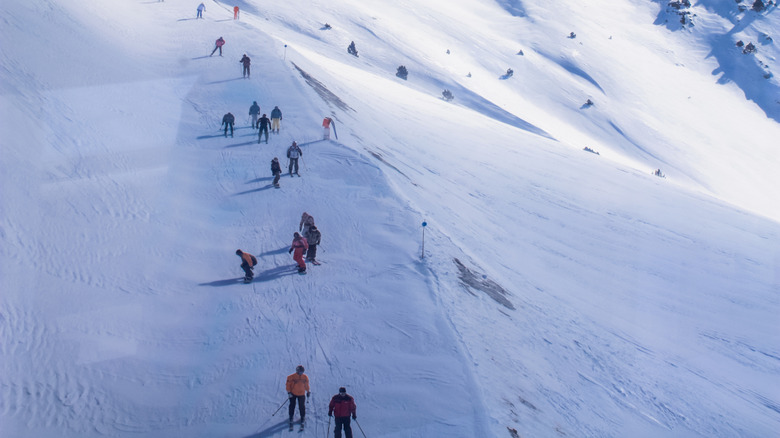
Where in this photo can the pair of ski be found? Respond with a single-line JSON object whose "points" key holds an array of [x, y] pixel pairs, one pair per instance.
{"points": [[292, 426]]}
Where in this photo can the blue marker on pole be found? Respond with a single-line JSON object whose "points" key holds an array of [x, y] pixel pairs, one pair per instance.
{"points": [[424, 224]]}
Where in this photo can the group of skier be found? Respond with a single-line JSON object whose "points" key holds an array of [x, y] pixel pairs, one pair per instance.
{"points": [[342, 405], [263, 124], [303, 247], [304, 244]]}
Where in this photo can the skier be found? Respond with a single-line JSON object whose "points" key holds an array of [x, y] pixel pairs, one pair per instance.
{"points": [[201, 8], [342, 405], [312, 236], [276, 117], [293, 153], [307, 221], [300, 246], [246, 61], [326, 127], [235, 12], [263, 125], [254, 110], [276, 171], [297, 387], [228, 120], [248, 263], [218, 45], [351, 49]]}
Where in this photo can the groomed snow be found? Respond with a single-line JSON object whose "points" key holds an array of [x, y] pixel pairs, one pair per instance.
{"points": [[561, 293]]}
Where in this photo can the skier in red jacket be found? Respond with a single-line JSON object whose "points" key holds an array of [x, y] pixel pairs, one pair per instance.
{"points": [[342, 405], [300, 246], [218, 45]]}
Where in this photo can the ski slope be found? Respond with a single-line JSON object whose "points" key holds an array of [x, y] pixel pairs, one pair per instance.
{"points": [[561, 293]]}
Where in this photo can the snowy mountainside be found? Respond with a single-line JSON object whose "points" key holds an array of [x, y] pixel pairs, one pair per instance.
{"points": [[637, 305]]}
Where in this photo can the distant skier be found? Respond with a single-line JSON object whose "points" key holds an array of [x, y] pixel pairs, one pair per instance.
{"points": [[246, 62], [248, 263], [254, 110], [313, 237], [218, 45], [293, 153], [352, 50], [228, 120], [326, 128], [276, 118], [201, 8], [263, 125], [307, 221], [235, 12], [276, 171], [342, 405], [297, 390], [298, 248]]}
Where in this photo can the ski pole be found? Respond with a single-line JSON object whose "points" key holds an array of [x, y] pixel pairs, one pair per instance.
{"points": [[304, 164], [361, 429], [328, 431], [280, 407]]}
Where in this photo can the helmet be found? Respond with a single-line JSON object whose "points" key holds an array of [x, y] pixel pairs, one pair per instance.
{"points": [[238, 252], [299, 368]]}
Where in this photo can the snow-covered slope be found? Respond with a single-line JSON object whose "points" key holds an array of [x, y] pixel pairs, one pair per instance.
{"points": [[561, 293]]}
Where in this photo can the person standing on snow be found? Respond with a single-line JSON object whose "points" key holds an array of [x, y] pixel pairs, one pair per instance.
{"points": [[201, 8], [235, 12], [342, 405], [293, 153], [263, 125], [297, 390], [276, 117], [254, 110], [300, 246], [276, 171], [307, 221], [228, 120], [218, 45], [248, 263], [312, 236], [326, 127], [246, 61]]}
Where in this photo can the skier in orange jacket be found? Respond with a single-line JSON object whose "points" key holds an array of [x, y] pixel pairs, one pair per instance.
{"points": [[298, 389]]}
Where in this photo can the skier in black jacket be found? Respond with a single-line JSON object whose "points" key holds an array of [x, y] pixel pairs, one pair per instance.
{"points": [[228, 120], [276, 171], [263, 125]]}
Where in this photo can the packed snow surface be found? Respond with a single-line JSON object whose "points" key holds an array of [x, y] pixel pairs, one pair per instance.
{"points": [[553, 292]]}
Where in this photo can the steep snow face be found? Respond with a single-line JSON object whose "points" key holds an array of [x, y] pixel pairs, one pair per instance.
{"points": [[553, 292]]}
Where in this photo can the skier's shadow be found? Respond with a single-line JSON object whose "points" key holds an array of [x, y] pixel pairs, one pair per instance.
{"points": [[246, 192], [277, 272], [256, 180], [197, 57], [240, 144], [270, 431], [223, 81], [220, 283], [276, 251]]}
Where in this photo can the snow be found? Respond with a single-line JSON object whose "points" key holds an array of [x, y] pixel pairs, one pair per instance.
{"points": [[561, 293]]}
